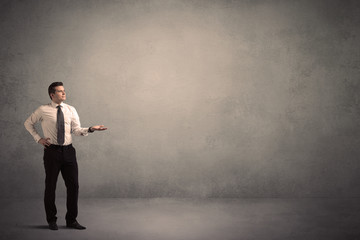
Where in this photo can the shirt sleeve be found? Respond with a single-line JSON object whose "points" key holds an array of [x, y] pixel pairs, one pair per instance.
{"points": [[31, 121], [76, 126]]}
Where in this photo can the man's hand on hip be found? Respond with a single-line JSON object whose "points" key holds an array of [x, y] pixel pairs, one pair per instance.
{"points": [[44, 142]]}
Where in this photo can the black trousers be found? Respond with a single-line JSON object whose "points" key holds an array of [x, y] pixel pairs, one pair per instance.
{"points": [[61, 159]]}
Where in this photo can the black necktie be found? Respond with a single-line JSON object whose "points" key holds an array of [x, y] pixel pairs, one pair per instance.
{"points": [[60, 126]]}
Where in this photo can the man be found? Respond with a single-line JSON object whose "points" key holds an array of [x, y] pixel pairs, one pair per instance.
{"points": [[58, 121]]}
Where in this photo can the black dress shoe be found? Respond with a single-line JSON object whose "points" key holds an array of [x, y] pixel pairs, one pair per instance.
{"points": [[53, 226], [75, 225]]}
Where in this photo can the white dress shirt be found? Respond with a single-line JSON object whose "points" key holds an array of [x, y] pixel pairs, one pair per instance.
{"points": [[47, 114]]}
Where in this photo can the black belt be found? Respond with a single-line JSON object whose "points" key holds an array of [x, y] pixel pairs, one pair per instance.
{"points": [[56, 147]]}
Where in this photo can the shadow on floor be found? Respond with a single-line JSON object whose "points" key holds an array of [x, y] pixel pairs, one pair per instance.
{"points": [[42, 227], [35, 226]]}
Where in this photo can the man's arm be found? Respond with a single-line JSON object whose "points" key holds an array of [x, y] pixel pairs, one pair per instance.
{"points": [[29, 125], [30, 122], [78, 130]]}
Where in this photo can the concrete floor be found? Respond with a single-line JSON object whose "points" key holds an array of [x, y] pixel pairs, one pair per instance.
{"points": [[188, 219]]}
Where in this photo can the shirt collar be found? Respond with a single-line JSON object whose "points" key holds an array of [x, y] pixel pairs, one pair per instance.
{"points": [[55, 104]]}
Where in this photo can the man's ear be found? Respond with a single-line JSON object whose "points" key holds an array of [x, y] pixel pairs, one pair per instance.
{"points": [[51, 95]]}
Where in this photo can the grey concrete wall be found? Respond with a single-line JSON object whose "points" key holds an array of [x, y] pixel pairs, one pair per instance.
{"points": [[202, 98]]}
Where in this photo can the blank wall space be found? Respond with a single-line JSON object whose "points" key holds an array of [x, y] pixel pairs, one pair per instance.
{"points": [[202, 98]]}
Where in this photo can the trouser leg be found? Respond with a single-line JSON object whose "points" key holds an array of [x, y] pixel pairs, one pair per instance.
{"points": [[52, 168], [69, 171]]}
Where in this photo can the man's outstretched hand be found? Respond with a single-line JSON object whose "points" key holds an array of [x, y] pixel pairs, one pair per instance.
{"points": [[98, 128]]}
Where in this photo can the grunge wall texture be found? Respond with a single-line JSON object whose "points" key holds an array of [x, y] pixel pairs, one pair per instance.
{"points": [[202, 98]]}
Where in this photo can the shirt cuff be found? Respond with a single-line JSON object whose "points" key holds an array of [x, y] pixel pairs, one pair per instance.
{"points": [[84, 132], [37, 138]]}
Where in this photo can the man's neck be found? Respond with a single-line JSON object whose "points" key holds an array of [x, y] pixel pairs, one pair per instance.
{"points": [[58, 103]]}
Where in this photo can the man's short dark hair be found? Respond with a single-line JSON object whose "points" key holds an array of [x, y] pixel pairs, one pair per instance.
{"points": [[52, 87]]}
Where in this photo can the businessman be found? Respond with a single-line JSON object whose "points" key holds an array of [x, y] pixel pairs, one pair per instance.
{"points": [[58, 120]]}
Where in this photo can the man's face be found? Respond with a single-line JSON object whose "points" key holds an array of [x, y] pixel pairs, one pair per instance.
{"points": [[59, 95]]}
